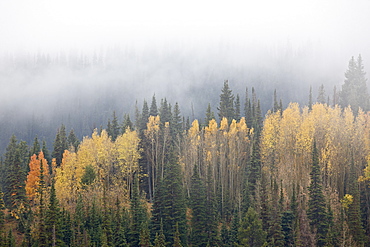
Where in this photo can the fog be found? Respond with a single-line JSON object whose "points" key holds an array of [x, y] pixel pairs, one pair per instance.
{"points": [[75, 62]]}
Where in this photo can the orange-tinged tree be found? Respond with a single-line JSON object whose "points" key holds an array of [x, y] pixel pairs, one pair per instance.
{"points": [[33, 177]]}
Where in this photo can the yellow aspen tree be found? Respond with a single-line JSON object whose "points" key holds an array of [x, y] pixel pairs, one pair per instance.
{"points": [[152, 135], [128, 155]]}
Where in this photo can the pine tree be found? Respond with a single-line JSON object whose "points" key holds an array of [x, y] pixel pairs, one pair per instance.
{"points": [[310, 99], [160, 240], [165, 111], [144, 236], [226, 108], [113, 127], [46, 152], [199, 236], [176, 239], [248, 109], [144, 116], [287, 221], [176, 126], [52, 220], [316, 204]]}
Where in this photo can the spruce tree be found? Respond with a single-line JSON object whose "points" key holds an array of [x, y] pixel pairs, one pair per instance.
{"points": [[169, 202], [176, 239], [60, 144], [317, 213], [73, 141], [138, 215], [250, 231], [53, 219], [354, 214], [126, 123], [144, 116], [237, 108], [153, 107], [209, 115], [321, 95], [199, 236], [35, 149], [226, 107], [113, 128]]}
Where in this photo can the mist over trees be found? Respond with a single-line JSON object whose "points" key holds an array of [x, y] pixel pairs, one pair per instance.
{"points": [[225, 165]]}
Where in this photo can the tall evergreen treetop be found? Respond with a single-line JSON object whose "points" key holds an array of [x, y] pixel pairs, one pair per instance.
{"points": [[153, 107], [226, 108]]}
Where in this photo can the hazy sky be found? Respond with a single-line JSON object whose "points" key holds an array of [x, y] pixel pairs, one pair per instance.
{"points": [[43, 25]]}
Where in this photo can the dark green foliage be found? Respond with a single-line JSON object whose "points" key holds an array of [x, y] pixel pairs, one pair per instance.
{"points": [[126, 123], [237, 108], [176, 125], [165, 111], [160, 239], [144, 236], [153, 111], [10, 242], [14, 174], [250, 231], [144, 117], [254, 173], [225, 236], [287, 221], [354, 214], [276, 106], [316, 205], [169, 203], [42, 239], [209, 115], [248, 109], [113, 128], [354, 90], [46, 153], [138, 214], [119, 236], [60, 144], [35, 149], [73, 141], [198, 199], [89, 176], [226, 107], [176, 239]]}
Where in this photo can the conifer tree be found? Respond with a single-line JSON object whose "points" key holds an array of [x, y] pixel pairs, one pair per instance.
{"points": [[60, 144], [250, 231], [169, 202], [276, 104], [113, 128], [144, 236], [35, 149], [176, 239], [14, 175], [153, 111], [165, 111], [42, 234], [316, 205], [144, 116], [45, 150], [73, 141], [52, 220], [310, 99], [199, 236], [248, 109], [237, 108], [138, 217], [126, 123], [321, 95], [354, 213], [226, 107], [160, 240], [209, 115], [176, 126]]}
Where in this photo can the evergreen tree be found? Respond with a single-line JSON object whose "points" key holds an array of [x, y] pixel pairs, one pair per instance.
{"points": [[354, 213], [209, 115], [14, 176], [310, 99], [248, 109], [287, 221], [165, 111], [144, 116], [250, 231], [169, 202], [73, 141], [226, 108], [60, 144], [126, 123], [2, 214], [52, 220], [113, 128], [354, 90], [144, 236], [160, 240], [199, 236], [42, 239], [176, 239], [276, 104], [237, 108], [321, 95], [46, 152], [153, 107], [138, 216], [316, 204], [35, 149], [176, 126]]}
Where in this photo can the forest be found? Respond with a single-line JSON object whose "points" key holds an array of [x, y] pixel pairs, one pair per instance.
{"points": [[298, 175]]}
